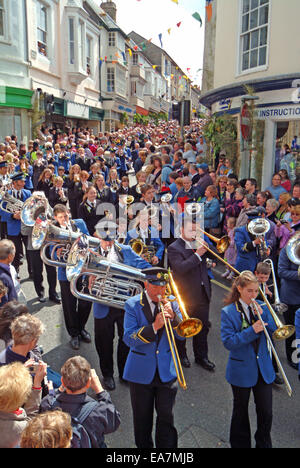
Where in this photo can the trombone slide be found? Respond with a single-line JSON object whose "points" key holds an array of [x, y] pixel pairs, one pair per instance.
{"points": [[287, 384]]}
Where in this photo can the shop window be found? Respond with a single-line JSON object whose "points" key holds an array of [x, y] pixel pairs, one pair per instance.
{"points": [[88, 55], [254, 34]]}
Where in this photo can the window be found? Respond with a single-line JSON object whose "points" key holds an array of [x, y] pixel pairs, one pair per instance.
{"points": [[254, 33], [121, 82], [88, 55], [2, 18], [71, 42], [110, 80], [80, 44], [111, 39], [42, 28], [135, 58]]}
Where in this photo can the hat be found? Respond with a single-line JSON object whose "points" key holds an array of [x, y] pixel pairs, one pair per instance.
{"points": [[157, 276], [3, 164], [203, 166], [18, 176], [253, 214], [261, 210], [107, 230]]}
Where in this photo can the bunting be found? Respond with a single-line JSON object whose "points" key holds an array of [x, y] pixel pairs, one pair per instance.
{"points": [[208, 9]]}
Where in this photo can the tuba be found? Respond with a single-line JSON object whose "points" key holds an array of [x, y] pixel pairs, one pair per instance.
{"points": [[259, 227], [110, 284]]}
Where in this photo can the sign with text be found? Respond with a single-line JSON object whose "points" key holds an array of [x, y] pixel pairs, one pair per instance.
{"points": [[279, 113]]}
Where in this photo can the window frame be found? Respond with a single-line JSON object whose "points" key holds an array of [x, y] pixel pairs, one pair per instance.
{"points": [[4, 18], [111, 70], [89, 55], [112, 35], [241, 35], [40, 4], [70, 42]]}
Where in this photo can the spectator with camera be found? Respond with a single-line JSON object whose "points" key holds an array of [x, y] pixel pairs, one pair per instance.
{"points": [[19, 400], [101, 416]]}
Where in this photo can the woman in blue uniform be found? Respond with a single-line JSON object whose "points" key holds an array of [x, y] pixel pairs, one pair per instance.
{"points": [[250, 361]]}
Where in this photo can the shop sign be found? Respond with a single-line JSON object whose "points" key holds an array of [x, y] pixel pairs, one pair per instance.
{"points": [[279, 113], [74, 109]]}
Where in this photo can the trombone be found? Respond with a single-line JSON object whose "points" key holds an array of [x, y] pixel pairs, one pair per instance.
{"points": [[221, 244], [187, 328], [278, 306], [288, 387]]}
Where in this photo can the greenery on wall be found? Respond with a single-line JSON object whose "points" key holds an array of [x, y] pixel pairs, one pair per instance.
{"points": [[220, 133]]}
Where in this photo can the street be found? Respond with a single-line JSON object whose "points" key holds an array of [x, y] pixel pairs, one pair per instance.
{"points": [[203, 411]]}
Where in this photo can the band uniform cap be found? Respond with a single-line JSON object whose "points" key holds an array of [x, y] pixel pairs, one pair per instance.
{"points": [[253, 214], [203, 166], [157, 276], [107, 230], [18, 176], [3, 163]]}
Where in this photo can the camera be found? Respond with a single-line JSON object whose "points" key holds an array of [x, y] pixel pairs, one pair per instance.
{"points": [[33, 369]]}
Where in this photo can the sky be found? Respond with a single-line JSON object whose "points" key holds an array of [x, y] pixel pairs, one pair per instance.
{"points": [[149, 18]]}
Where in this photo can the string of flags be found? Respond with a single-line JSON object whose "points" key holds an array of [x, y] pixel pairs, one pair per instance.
{"points": [[143, 45]]}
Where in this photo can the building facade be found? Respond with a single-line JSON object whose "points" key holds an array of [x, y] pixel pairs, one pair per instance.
{"points": [[255, 50], [15, 84]]}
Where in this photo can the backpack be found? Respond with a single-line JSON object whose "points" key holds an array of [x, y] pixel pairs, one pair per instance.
{"points": [[81, 438]]}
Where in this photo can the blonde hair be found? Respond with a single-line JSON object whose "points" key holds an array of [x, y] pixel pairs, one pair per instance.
{"points": [[52, 429], [15, 386], [26, 328]]}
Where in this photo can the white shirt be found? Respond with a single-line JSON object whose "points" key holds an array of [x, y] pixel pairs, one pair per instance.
{"points": [[152, 308], [112, 255], [246, 310]]}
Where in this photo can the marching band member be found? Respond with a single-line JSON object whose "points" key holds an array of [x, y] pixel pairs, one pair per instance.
{"points": [[148, 235], [106, 317], [190, 273], [88, 209], [14, 221], [149, 367], [248, 246], [4, 180], [250, 364], [76, 311]]}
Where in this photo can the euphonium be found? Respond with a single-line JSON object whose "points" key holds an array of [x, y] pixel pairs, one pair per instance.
{"points": [[10, 204], [34, 206], [50, 238], [293, 249], [110, 284]]}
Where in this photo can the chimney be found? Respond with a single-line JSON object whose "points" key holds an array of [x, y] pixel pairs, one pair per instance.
{"points": [[110, 8]]}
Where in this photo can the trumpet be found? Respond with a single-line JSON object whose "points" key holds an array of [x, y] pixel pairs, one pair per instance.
{"points": [[141, 249]]}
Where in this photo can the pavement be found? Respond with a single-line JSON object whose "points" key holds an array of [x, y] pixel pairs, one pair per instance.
{"points": [[203, 411]]}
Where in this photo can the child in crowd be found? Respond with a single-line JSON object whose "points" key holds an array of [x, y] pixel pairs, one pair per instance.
{"points": [[230, 253]]}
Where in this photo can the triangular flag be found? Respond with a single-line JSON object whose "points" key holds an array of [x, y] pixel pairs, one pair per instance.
{"points": [[208, 10], [154, 66], [175, 1], [197, 17], [135, 47], [130, 52], [179, 24], [160, 38], [143, 46], [169, 30]]}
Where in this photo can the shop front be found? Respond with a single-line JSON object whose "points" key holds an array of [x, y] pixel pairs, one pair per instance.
{"points": [[15, 113]]}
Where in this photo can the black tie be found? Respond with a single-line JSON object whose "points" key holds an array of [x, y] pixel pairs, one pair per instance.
{"points": [[105, 253], [156, 310], [251, 315]]}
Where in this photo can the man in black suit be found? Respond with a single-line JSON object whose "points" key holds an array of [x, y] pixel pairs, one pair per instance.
{"points": [[188, 264]]}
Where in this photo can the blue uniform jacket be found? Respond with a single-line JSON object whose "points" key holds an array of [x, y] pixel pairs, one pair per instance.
{"points": [[7, 280], [148, 351], [290, 281], [14, 225], [130, 258], [61, 273], [297, 325], [155, 240], [247, 257], [243, 364]]}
